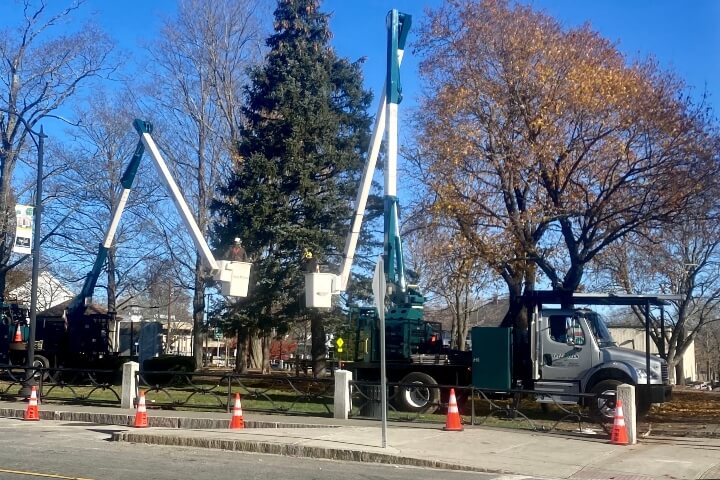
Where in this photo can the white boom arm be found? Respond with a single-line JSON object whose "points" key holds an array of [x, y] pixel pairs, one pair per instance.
{"points": [[233, 276], [180, 204]]}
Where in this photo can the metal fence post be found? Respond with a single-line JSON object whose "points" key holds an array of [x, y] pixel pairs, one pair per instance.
{"points": [[472, 405]]}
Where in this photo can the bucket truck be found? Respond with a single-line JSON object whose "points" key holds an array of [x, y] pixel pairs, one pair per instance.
{"points": [[80, 340], [567, 353], [412, 343]]}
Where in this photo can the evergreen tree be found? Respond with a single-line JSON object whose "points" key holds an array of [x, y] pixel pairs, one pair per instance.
{"points": [[297, 170]]}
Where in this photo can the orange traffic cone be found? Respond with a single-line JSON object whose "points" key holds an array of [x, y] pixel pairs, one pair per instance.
{"points": [[32, 413], [237, 416], [141, 418], [619, 435], [18, 334], [454, 422]]}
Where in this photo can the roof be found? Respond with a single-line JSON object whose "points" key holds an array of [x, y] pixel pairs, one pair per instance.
{"points": [[551, 297], [58, 310], [491, 314]]}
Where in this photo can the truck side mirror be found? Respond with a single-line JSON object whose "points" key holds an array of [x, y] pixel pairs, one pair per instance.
{"points": [[574, 334]]}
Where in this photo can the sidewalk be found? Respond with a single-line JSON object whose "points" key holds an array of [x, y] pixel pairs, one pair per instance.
{"points": [[476, 448]]}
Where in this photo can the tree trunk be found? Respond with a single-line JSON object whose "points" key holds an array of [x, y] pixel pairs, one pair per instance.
{"points": [[241, 356], [319, 350], [517, 314], [198, 312], [671, 367], [266, 339], [680, 365], [680, 372], [255, 351], [3, 278], [517, 318]]}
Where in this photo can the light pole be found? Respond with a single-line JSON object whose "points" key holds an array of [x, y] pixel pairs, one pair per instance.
{"points": [[30, 361]]}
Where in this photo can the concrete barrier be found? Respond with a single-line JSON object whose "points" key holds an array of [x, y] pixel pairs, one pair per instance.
{"points": [[129, 376], [343, 400], [626, 393]]}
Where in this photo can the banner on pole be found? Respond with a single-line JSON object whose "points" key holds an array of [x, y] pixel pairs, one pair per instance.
{"points": [[23, 231]]}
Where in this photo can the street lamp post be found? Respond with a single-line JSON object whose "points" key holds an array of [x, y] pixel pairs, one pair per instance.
{"points": [[30, 362]]}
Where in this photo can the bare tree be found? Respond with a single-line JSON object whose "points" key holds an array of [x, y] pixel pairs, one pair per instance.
{"points": [[200, 65], [452, 278], [40, 70], [86, 192], [683, 260]]}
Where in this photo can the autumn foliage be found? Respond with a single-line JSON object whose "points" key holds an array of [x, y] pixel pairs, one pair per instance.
{"points": [[543, 145]]}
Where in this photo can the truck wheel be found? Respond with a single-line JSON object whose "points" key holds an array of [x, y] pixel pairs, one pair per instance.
{"points": [[41, 362], [642, 408], [421, 399], [604, 408]]}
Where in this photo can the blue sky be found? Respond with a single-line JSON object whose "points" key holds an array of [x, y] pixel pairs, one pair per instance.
{"points": [[683, 36]]}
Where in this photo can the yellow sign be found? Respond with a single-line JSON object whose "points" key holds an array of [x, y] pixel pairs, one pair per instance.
{"points": [[339, 342]]}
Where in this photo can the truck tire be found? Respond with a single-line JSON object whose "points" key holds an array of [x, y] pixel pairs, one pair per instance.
{"points": [[604, 408], [42, 362], [421, 399]]}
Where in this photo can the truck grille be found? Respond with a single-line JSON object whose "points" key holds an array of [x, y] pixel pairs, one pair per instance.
{"points": [[427, 359], [664, 373]]}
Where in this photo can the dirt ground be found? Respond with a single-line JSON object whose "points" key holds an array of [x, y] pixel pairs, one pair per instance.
{"points": [[690, 413]]}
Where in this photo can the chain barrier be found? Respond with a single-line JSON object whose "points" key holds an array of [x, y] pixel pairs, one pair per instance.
{"points": [[538, 410], [260, 393], [62, 385]]}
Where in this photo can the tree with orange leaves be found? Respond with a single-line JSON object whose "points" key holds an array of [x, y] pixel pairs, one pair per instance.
{"points": [[543, 145]]}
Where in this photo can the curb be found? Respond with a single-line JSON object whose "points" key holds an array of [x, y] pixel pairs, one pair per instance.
{"points": [[125, 420], [290, 450]]}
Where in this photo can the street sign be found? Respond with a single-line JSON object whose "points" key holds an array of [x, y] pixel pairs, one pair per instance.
{"points": [[217, 334], [339, 342]]}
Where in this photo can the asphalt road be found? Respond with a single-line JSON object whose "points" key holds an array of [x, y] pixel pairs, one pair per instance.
{"points": [[80, 451]]}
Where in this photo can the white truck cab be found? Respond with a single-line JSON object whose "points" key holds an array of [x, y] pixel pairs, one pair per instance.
{"points": [[573, 352]]}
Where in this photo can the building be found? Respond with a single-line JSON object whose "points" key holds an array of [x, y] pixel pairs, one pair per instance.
{"points": [[50, 292], [633, 336]]}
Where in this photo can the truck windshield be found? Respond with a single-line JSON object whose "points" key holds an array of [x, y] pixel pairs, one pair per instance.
{"points": [[600, 330]]}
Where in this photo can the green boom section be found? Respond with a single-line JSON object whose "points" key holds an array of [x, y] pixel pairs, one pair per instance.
{"points": [[398, 28]]}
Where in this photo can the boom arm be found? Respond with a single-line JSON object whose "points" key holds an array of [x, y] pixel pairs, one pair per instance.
{"points": [[399, 25], [85, 296], [320, 286], [233, 276], [398, 28], [178, 199]]}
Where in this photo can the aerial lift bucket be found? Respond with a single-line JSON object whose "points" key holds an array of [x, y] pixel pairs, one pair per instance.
{"points": [[234, 277], [318, 289]]}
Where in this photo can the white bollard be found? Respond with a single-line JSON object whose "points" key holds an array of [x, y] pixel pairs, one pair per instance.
{"points": [[343, 402], [626, 393], [128, 384]]}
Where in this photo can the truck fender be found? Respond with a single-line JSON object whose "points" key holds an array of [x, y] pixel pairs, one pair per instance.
{"points": [[612, 370]]}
